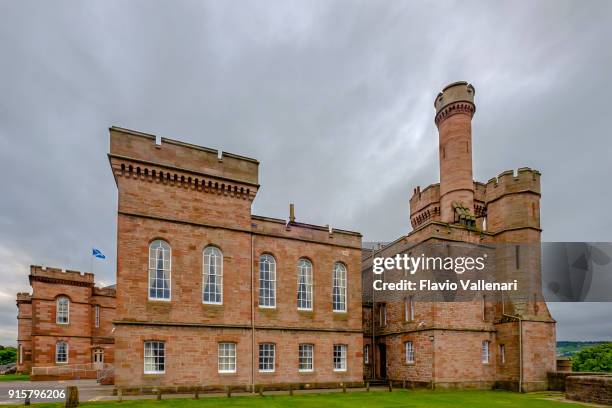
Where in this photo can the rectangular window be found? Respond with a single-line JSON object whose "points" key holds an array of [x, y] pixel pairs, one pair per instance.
{"points": [[409, 352], [517, 256], [366, 354], [267, 281], [20, 354], [382, 318], [485, 352], [154, 357], [409, 309], [62, 310], [227, 357], [266, 357], [340, 357], [502, 353], [97, 310], [306, 352], [61, 352]]}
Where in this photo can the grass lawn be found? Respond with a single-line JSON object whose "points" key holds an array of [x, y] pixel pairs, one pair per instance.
{"points": [[14, 377], [399, 398]]}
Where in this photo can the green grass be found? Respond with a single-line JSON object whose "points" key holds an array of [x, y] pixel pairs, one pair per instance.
{"points": [[14, 377], [399, 398]]}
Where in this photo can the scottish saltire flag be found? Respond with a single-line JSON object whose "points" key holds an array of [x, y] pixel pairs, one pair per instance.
{"points": [[97, 253]]}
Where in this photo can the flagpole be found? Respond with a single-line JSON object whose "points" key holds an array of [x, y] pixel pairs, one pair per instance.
{"points": [[92, 259]]}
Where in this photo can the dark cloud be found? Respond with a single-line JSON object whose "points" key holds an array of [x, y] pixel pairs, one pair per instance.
{"points": [[334, 99]]}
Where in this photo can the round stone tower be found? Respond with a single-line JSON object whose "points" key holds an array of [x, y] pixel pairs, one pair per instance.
{"points": [[454, 110]]}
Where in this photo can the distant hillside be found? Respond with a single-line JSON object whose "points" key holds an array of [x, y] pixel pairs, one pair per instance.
{"points": [[569, 348]]}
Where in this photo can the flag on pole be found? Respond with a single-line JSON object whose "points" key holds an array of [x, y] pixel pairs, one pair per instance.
{"points": [[97, 253]]}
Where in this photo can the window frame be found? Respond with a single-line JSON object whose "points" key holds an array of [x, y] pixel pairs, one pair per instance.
{"points": [[302, 347], [270, 260], [218, 283], [340, 267], [97, 316], [57, 352], [59, 312], [343, 353], [366, 354], [155, 363], [271, 347], [222, 347], [305, 269], [154, 269], [409, 351], [485, 352], [502, 353]]}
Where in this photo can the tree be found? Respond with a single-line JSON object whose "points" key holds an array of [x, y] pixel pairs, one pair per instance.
{"points": [[595, 359], [8, 355]]}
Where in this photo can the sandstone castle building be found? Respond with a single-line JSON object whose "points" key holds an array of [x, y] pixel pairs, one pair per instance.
{"points": [[210, 295]]}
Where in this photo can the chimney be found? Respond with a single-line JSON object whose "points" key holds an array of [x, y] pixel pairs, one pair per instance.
{"points": [[454, 111], [291, 213]]}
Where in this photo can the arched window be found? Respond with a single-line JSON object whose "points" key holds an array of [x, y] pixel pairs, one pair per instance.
{"points": [[61, 352], [62, 315], [160, 269], [267, 281], [212, 285], [339, 288], [304, 284]]}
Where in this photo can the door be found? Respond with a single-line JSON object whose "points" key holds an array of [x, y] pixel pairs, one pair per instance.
{"points": [[382, 361], [98, 358]]}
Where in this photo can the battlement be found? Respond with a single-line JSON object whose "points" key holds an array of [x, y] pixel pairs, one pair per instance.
{"points": [[57, 275], [24, 297], [524, 179], [149, 149], [425, 205]]}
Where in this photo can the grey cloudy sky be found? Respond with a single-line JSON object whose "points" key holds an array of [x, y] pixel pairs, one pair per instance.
{"points": [[333, 97]]}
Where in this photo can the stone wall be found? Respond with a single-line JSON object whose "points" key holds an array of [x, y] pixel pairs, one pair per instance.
{"points": [[589, 388]]}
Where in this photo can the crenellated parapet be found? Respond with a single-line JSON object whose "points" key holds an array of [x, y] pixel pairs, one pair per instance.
{"points": [[57, 275], [23, 297], [524, 180], [106, 291], [145, 157], [425, 205]]}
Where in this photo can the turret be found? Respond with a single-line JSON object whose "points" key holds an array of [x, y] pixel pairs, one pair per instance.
{"points": [[454, 110]]}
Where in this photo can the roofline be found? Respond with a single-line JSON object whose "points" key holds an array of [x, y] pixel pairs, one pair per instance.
{"points": [[184, 144], [304, 225]]}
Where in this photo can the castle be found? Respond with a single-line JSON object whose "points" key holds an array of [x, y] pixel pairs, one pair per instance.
{"points": [[210, 295]]}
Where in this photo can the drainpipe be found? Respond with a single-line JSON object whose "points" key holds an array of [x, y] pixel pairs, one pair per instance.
{"points": [[252, 318]]}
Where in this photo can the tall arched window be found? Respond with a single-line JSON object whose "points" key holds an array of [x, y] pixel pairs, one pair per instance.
{"points": [[61, 352], [267, 281], [62, 315], [160, 269], [339, 287], [304, 284], [212, 285]]}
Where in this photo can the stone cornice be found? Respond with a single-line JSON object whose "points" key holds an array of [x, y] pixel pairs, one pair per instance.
{"points": [[465, 107]]}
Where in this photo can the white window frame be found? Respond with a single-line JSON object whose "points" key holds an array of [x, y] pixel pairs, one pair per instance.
{"points": [[154, 345], [306, 356], [227, 359], [304, 284], [212, 276], [65, 352], [366, 354], [97, 315], [98, 352], [502, 353], [339, 288], [267, 275], [485, 352], [62, 310], [409, 345], [155, 248], [340, 354], [20, 353], [267, 357]]}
